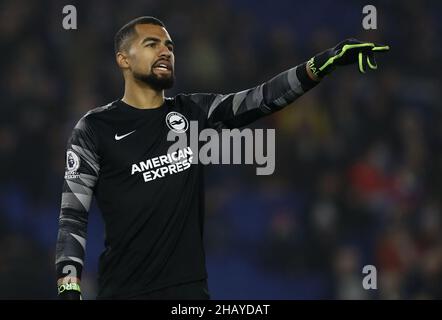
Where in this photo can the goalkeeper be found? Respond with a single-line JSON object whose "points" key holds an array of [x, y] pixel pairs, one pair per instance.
{"points": [[154, 228]]}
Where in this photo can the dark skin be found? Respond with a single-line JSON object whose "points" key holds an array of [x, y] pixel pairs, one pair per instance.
{"points": [[149, 51]]}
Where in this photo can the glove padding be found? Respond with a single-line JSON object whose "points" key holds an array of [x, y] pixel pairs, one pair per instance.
{"points": [[346, 52]]}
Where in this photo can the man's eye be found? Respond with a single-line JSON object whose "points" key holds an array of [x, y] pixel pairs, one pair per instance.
{"points": [[151, 45]]}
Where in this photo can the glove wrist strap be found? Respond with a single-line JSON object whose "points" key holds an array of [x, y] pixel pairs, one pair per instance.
{"points": [[319, 66], [313, 68], [69, 287]]}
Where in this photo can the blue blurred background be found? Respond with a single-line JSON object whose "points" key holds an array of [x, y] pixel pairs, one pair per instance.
{"points": [[358, 159]]}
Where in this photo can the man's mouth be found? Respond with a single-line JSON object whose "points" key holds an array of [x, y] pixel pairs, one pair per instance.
{"points": [[163, 66]]}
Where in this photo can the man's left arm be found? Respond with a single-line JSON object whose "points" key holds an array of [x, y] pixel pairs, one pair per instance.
{"points": [[242, 108]]}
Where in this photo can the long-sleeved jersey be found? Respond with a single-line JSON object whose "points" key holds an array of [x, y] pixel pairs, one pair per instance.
{"points": [[151, 200]]}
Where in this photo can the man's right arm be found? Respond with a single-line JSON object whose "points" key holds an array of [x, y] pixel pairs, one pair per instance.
{"points": [[81, 174]]}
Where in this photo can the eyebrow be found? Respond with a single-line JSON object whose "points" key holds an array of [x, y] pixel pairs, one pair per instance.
{"points": [[167, 42]]}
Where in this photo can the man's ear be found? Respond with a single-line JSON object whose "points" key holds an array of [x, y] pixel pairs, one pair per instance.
{"points": [[122, 60]]}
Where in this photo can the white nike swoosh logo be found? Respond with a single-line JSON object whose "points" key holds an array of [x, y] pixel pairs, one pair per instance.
{"points": [[117, 137]]}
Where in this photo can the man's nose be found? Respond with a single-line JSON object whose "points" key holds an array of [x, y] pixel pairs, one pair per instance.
{"points": [[165, 52]]}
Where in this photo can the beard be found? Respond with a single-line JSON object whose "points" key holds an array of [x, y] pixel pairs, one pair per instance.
{"points": [[154, 81]]}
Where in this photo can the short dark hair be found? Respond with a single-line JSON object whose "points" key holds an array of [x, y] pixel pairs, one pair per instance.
{"points": [[128, 30]]}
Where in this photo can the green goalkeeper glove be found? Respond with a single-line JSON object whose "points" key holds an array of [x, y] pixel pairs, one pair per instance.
{"points": [[346, 52]]}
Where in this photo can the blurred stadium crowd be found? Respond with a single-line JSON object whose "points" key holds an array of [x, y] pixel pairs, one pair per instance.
{"points": [[358, 177]]}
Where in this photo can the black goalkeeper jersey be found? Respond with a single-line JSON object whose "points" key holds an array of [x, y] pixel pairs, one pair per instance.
{"points": [[151, 198]]}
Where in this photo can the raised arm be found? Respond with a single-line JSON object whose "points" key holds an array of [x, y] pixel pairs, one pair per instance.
{"points": [[82, 169], [241, 108]]}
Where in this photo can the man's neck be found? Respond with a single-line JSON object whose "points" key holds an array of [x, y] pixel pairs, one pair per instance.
{"points": [[141, 96]]}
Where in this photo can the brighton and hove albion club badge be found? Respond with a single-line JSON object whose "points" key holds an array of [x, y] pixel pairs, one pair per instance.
{"points": [[72, 161], [177, 122]]}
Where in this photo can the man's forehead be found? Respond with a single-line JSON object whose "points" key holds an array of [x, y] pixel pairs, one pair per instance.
{"points": [[151, 30]]}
